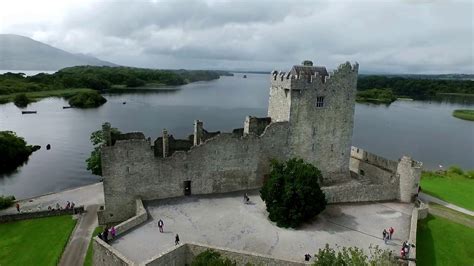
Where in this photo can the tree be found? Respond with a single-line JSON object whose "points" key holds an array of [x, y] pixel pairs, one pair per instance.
{"points": [[292, 193], [21, 100], [94, 162], [210, 257], [88, 99], [354, 256]]}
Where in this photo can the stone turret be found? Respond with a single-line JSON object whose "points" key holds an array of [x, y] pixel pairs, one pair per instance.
{"points": [[166, 143], [107, 134], [198, 132]]}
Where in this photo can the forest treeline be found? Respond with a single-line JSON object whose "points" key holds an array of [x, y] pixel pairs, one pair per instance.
{"points": [[415, 88], [101, 78]]}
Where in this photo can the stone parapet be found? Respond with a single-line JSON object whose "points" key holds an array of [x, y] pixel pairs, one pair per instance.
{"points": [[40, 214]]}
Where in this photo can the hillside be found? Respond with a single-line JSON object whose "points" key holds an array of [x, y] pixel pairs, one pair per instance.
{"points": [[23, 53]]}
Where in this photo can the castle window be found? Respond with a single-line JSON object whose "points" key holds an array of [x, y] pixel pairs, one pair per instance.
{"points": [[320, 101], [361, 172]]}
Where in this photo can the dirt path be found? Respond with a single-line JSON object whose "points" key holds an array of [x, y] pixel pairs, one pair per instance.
{"points": [[76, 249]]}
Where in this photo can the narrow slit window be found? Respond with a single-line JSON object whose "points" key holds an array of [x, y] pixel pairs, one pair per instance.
{"points": [[320, 101]]}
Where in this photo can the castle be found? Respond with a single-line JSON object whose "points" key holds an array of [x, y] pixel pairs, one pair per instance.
{"points": [[310, 116]]}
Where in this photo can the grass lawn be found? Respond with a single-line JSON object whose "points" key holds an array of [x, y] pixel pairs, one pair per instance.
{"points": [[443, 242], [88, 260], [35, 241], [451, 187], [464, 114], [36, 95]]}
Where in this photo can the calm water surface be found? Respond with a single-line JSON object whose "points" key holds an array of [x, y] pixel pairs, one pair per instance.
{"points": [[424, 130]]}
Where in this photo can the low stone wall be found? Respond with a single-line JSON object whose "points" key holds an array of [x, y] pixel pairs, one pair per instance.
{"points": [[140, 217], [357, 192], [412, 238], [105, 254], [40, 214], [175, 256], [184, 254]]}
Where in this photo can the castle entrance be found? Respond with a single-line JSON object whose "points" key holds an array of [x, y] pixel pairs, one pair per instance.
{"points": [[187, 188]]}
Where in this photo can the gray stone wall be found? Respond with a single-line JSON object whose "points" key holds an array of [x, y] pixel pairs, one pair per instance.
{"points": [[106, 255], [39, 214], [255, 125], [224, 163], [184, 254], [409, 172]]}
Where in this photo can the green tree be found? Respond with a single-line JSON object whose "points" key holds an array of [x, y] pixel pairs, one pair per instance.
{"points": [[6, 201], [210, 257], [21, 100], [94, 162], [292, 193], [354, 256]]}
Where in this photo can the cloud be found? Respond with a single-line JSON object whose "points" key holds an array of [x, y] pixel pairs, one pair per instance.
{"points": [[383, 36]]}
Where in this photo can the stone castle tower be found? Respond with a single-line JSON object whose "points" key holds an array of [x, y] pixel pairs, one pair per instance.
{"points": [[320, 110]]}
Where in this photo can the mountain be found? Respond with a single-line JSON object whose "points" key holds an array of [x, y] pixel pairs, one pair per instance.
{"points": [[23, 53]]}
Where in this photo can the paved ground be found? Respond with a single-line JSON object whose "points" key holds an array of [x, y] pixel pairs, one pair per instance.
{"points": [[427, 198], [86, 195], [226, 221], [76, 249]]}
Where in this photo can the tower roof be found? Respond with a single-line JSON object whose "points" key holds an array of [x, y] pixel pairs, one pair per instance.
{"points": [[309, 71]]}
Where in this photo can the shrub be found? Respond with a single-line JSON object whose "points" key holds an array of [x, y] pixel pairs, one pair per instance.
{"points": [[469, 174], [210, 257], [292, 193], [353, 256], [87, 99], [21, 100], [6, 201], [455, 170]]}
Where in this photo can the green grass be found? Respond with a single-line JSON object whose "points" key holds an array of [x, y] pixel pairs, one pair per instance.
{"points": [[90, 252], [36, 95], [36, 241], [443, 242], [452, 187], [464, 114]]}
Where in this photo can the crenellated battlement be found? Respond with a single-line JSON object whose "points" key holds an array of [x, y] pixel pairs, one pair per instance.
{"points": [[318, 76]]}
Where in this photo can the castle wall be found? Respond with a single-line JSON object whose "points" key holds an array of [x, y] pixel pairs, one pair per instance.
{"points": [[224, 163]]}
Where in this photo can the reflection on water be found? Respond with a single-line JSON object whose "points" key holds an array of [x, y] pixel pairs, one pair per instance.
{"points": [[425, 130]]}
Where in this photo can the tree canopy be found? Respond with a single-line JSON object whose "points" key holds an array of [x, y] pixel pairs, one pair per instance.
{"points": [[94, 162], [292, 193], [14, 151]]}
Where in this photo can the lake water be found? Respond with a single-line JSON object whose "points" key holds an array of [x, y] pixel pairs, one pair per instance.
{"points": [[424, 130]]}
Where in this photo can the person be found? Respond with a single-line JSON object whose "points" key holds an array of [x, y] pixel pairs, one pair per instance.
{"points": [[105, 234], [307, 257], [17, 207], [112, 232], [49, 208], [246, 199], [176, 240], [58, 207], [68, 205], [384, 234], [390, 232], [160, 225], [72, 205]]}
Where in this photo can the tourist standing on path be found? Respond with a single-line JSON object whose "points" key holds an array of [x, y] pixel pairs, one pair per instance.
{"points": [[390, 232], [105, 235], [160, 225], [18, 207], [176, 240], [385, 235], [112, 232]]}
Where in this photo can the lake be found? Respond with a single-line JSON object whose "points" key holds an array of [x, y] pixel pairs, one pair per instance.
{"points": [[424, 130]]}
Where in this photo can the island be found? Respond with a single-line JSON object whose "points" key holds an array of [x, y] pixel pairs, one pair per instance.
{"points": [[84, 80], [464, 114], [15, 151]]}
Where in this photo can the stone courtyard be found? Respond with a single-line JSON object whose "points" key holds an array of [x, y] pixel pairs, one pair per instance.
{"points": [[224, 220]]}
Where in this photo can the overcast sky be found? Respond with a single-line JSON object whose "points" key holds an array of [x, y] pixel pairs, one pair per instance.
{"points": [[383, 36]]}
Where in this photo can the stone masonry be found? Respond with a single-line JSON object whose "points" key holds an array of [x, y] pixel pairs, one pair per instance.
{"points": [[310, 116]]}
